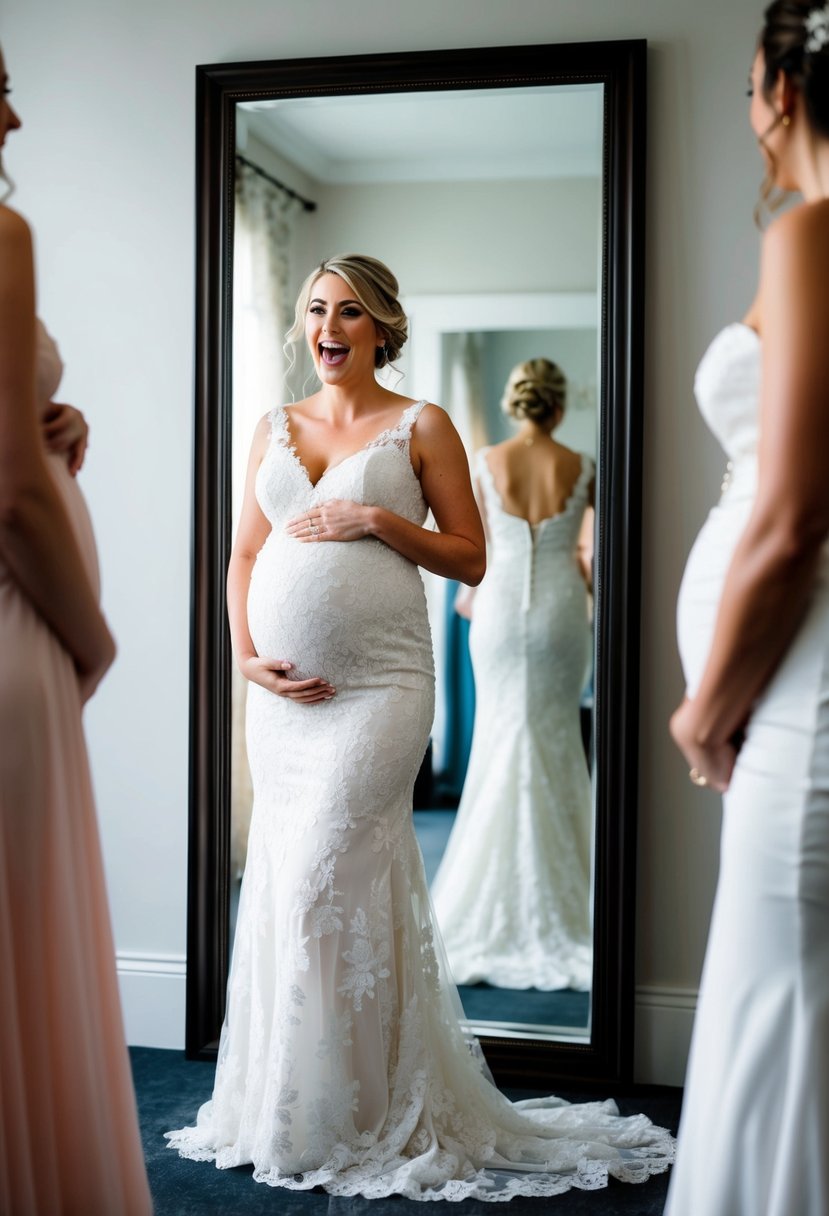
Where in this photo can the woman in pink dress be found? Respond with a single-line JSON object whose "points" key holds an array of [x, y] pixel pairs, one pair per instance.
{"points": [[69, 1143]]}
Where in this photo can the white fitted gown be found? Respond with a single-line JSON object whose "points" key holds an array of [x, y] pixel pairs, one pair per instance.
{"points": [[342, 1060], [512, 894], [754, 1137]]}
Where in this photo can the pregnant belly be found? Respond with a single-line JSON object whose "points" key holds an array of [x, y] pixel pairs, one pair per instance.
{"points": [[78, 512], [351, 612], [702, 584], [75, 506]]}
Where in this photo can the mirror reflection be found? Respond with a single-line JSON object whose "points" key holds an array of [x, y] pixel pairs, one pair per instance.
{"points": [[503, 306], [526, 808]]}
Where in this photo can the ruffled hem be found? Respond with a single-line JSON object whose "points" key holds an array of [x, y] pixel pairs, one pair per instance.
{"points": [[400, 1176]]}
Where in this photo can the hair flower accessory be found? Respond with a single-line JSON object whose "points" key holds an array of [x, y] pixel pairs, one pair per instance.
{"points": [[817, 29]]}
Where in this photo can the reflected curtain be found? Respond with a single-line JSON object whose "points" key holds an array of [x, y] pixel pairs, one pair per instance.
{"points": [[262, 314], [464, 397]]}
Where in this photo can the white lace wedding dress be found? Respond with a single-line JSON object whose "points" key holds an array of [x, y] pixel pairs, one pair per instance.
{"points": [[512, 894], [755, 1119], [342, 1060]]}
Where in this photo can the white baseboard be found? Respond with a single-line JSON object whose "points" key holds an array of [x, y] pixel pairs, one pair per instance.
{"points": [[152, 997], [153, 1000], [662, 1038]]}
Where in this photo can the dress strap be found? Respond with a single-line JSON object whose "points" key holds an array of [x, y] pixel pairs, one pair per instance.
{"points": [[401, 432], [588, 470], [278, 419], [484, 473], [481, 462], [408, 418]]}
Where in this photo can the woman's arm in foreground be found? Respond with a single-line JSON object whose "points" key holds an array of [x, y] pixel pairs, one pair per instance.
{"points": [[771, 576], [66, 432], [254, 529], [457, 550], [36, 539]]}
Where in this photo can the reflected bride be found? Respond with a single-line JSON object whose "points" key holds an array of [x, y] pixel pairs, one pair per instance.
{"points": [[512, 894]]}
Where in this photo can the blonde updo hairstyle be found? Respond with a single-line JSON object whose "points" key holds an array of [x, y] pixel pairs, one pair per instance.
{"points": [[536, 391], [374, 287]]}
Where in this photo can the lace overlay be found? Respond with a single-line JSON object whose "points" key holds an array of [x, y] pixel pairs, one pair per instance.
{"points": [[527, 806], [342, 1060]]}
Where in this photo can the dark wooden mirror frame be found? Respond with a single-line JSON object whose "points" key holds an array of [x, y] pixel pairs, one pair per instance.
{"points": [[620, 68]]}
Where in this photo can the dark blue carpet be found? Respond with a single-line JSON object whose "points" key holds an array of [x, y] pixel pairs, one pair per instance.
{"points": [[170, 1089]]}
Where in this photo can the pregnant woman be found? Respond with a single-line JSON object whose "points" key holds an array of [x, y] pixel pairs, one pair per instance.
{"points": [[512, 895], [342, 1061], [754, 639], [69, 1141]]}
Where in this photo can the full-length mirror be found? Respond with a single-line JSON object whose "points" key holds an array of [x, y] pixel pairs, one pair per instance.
{"points": [[505, 203]]}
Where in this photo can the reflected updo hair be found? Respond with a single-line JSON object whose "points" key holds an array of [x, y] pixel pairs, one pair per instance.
{"points": [[536, 391], [783, 41], [374, 287]]}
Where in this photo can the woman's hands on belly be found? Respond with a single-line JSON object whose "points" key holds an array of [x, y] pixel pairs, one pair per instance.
{"points": [[270, 674], [334, 520]]}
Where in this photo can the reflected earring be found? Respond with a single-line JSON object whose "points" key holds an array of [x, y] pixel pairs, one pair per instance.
{"points": [[786, 120]]}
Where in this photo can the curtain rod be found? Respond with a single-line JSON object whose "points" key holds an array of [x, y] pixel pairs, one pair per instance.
{"points": [[306, 202]]}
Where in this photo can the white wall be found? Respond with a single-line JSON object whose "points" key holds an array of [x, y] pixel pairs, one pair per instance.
{"points": [[470, 236], [105, 172]]}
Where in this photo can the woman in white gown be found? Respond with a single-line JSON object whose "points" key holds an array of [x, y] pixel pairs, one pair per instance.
{"points": [[512, 894], [342, 1061], [754, 638]]}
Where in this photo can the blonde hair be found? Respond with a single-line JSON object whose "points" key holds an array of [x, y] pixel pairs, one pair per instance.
{"points": [[536, 390], [374, 287]]}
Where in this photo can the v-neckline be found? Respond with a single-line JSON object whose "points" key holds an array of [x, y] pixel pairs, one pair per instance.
{"points": [[290, 445]]}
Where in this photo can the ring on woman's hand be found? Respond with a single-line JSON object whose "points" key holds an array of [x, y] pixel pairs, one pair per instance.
{"points": [[697, 778], [315, 530]]}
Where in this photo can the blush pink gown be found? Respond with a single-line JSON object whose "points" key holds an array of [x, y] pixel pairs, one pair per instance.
{"points": [[69, 1142]]}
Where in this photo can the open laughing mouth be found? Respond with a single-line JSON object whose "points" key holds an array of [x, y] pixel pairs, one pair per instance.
{"points": [[333, 354]]}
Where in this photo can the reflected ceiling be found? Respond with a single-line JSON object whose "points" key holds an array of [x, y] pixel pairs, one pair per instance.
{"points": [[533, 133]]}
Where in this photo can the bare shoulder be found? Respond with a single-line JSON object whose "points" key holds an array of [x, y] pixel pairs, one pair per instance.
{"points": [[795, 264], [434, 439], [433, 417], [261, 437], [807, 221], [13, 225], [433, 423], [15, 235], [798, 240]]}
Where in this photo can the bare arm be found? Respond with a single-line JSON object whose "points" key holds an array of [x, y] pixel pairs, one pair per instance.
{"points": [[465, 598], [770, 579], [457, 550], [585, 546], [36, 538], [254, 529]]}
